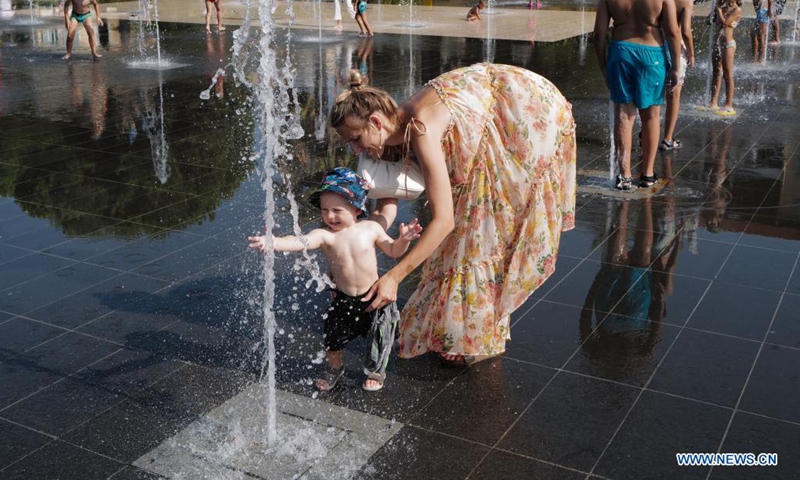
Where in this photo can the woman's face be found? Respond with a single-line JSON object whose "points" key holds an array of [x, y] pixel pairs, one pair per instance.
{"points": [[367, 138]]}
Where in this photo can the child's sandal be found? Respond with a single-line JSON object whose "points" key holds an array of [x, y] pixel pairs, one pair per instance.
{"points": [[648, 181], [624, 183], [330, 377], [380, 378], [667, 145]]}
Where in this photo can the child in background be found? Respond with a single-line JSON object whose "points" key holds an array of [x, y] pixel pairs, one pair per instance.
{"points": [[349, 246], [728, 15], [361, 18], [474, 12]]}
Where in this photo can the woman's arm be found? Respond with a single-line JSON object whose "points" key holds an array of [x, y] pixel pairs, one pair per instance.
{"points": [[385, 212], [428, 150]]}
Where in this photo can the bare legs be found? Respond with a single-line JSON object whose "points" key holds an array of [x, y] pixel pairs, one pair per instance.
{"points": [[72, 28], [625, 115], [218, 8], [671, 115], [723, 67]]}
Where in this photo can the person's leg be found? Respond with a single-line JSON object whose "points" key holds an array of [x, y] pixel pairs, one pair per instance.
{"points": [[716, 78], [360, 23], [624, 118], [651, 129], [209, 5], [776, 22], [218, 5], [366, 24], [671, 116], [728, 72], [379, 345], [88, 25], [73, 27], [337, 14]]}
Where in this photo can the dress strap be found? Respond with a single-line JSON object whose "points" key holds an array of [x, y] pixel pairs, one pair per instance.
{"points": [[418, 125]]}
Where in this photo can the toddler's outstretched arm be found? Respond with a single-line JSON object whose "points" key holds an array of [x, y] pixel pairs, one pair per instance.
{"points": [[396, 248], [290, 243]]}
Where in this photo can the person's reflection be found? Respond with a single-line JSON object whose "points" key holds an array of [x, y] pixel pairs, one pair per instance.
{"points": [[215, 47], [714, 174], [632, 284], [97, 99], [364, 57]]}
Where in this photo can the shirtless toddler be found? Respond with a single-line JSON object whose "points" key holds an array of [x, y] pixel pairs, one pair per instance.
{"points": [[349, 246]]}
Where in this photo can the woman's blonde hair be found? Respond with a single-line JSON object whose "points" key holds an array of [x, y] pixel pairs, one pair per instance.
{"points": [[360, 101]]}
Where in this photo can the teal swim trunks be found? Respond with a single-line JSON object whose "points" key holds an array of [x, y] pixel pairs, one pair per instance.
{"points": [[636, 73], [80, 17]]}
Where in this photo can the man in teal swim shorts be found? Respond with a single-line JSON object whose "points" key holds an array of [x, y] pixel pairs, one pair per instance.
{"points": [[81, 14], [635, 68]]}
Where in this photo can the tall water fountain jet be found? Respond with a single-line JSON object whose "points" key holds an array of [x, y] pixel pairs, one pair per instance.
{"points": [[411, 23], [145, 23], [155, 128], [277, 123], [712, 16], [794, 30]]}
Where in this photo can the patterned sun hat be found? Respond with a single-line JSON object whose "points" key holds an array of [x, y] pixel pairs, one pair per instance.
{"points": [[346, 183]]}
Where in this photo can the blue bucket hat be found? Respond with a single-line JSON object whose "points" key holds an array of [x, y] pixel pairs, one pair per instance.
{"points": [[346, 183]]}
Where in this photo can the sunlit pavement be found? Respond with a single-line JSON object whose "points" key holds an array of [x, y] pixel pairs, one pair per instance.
{"points": [[130, 330]]}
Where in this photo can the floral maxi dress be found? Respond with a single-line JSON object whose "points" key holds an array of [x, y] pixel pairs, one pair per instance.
{"points": [[510, 153]]}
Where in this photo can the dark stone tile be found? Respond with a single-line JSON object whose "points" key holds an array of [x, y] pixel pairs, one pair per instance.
{"points": [[128, 372], [736, 310], [564, 266], [786, 328], [133, 473], [757, 267], [59, 408], [595, 409], [48, 288], [127, 431], [702, 259], [135, 254], [121, 292], [410, 384], [501, 465], [794, 282], [582, 241], [61, 460], [546, 334], [19, 334], [768, 232], [572, 289], [191, 260], [507, 385], [29, 267], [414, 453], [9, 253], [658, 427], [191, 391], [17, 441], [622, 349], [130, 328], [21, 377], [101, 240], [66, 354], [706, 367], [756, 434], [774, 385]]}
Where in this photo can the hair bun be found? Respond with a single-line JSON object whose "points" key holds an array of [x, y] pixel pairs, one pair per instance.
{"points": [[355, 79]]}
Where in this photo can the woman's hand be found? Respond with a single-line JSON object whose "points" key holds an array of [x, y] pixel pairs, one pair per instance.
{"points": [[382, 293]]}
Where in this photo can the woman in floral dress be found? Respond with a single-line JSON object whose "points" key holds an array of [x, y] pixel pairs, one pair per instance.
{"points": [[496, 145]]}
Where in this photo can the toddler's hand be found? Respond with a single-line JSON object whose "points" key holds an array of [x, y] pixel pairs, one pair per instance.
{"points": [[257, 243], [411, 231]]}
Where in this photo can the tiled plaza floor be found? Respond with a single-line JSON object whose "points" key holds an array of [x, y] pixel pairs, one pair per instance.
{"points": [[129, 306]]}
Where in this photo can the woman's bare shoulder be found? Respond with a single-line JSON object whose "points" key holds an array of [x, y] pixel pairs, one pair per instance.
{"points": [[426, 106]]}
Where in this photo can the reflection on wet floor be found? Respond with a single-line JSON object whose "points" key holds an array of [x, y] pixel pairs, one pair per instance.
{"points": [[128, 303]]}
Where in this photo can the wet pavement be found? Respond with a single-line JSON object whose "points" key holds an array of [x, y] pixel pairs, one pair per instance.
{"points": [[129, 306]]}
